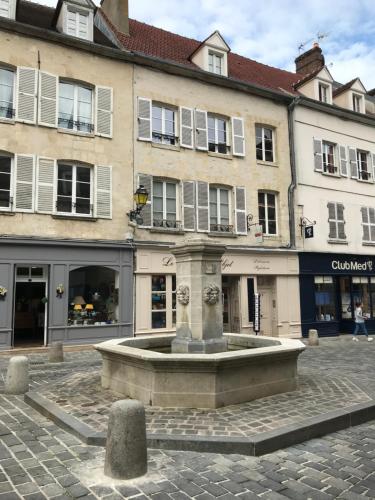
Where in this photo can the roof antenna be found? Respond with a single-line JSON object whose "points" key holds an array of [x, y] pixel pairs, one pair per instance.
{"points": [[319, 36]]}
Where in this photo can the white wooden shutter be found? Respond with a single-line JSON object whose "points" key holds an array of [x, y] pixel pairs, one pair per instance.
{"points": [[238, 136], [144, 119], [146, 214], [5, 8], [318, 155], [103, 192], [186, 127], [24, 183], [343, 161], [188, 188], [201, 133], [332, 221], [365, 224], [26, 94], [202, 206], [373, 165], [353, 163], [48, 89], [240, 210], [46, 185], [104, 111]]}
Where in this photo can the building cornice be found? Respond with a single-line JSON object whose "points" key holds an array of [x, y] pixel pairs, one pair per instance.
{"points": [[40, 241]]}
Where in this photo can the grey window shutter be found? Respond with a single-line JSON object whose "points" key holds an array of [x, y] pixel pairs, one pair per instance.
{"points": [[341, 222], [202, 207], [343, 161], [186, 127], [201, 133], [373, 165], [45, 193], [332, 220], [103, 192], [318, 155], [24, 183], [48, 88], [188, 188], [104, 111], [26, 95], [365, 226], [353, 163], [144, 119], [146, 214], [238, 136], [240, 210]]}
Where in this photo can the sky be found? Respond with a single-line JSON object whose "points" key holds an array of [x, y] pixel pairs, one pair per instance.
{"points": [[271, 32]]}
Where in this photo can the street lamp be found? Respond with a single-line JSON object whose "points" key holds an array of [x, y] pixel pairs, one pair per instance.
{"points": [[140, 198]]}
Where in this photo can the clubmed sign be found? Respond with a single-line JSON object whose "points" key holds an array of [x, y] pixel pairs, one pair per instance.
{"points": [[352, 265]]}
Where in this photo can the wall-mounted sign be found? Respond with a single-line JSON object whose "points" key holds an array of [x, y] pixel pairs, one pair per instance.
{"points": [[352, 265], [256, 322], [328, 263], [258, 233], [309, 231]]}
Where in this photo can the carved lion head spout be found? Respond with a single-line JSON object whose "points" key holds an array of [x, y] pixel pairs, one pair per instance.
{"points": [[183, 294], [211, 294]]}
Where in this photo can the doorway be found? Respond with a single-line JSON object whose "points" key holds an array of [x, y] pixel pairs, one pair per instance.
{"points": [[266, 290], [231, 304]]}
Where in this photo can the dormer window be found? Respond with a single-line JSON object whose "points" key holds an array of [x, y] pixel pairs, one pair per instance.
{"points": [[212, 55], [323, 93], [76, 18], [357, 101], [8, 8], [215, 63], [77, 24]]}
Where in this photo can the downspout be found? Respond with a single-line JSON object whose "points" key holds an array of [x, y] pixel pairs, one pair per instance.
{"points": [[293, 183]]}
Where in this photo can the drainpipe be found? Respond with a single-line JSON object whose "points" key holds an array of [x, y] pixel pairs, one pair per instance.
{"points": [[293, 184]]}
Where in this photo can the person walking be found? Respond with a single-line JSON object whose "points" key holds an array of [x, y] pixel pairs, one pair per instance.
{"points": [[359, 320]]}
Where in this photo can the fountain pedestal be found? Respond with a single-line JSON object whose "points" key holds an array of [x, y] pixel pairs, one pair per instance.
{"points": [[199, 327]]}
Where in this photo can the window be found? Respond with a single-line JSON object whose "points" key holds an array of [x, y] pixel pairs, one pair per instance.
{"points": [[75, 107], [361, 293], [215, 63], [6, 199], [6, 92], [267, 212], [363, 160], [74, 189], [264, 143], [323, 93], [329, 158], [164, 204], [336, 221], [325, 306], [356, 102], [93, 296], [346, 308], [163, 125], [77, 24], [163, 301], [217, 135], [219, 210], [368, 224]]}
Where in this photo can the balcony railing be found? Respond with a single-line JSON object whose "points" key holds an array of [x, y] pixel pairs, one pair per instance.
{"points": [[167, 224], [329, 168], [7, 112], [164, 138], [76, 125], [221, 228], [364, 175]]}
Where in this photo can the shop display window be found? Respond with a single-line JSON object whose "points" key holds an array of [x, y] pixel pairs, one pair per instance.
{"points": [[361, 293], [93, 296], [325, 307], [372, 293], [163, 301], [346, 305]]}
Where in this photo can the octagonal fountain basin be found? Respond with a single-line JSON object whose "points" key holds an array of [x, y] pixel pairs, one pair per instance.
{"points": [[253, 367]]}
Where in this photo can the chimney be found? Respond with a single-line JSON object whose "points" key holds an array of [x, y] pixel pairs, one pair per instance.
{"points": [[310, 61], [117, 12]]}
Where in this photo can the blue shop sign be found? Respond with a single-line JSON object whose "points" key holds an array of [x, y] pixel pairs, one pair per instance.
{"points": [[323, 263]]}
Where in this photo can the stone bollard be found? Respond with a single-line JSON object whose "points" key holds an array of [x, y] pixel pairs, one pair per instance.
{"points": [[126, 448], [17, 379], [56, 353], [313, 337]]}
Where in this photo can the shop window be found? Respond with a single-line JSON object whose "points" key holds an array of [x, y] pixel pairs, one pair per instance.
{"points": [[372, 292], [93, 296], [361, 293], [163, 301], [346, 306], [325, 307]]}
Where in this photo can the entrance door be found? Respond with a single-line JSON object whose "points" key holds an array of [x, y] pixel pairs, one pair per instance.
{"points": [[231, 304], [265, 311]]}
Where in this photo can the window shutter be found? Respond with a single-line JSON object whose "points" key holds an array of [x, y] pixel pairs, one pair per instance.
{"points": [[186, 127], [201, 133], [146, 214], [188, 188], [104, 111], [48, 88], [202, 206], [353, 163], [24, 183], [373, 165], [238, 136], [103, 192], [26, 94], [341, 222], [318, 155], [343, 161], [45, 193], [144, 119], [240, 210], [365, 226], [332, 221]]}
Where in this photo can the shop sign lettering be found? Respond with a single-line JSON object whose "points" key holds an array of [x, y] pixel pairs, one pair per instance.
{"points": [[261, 264], [167, 261], [226, 264], [352, 266]]}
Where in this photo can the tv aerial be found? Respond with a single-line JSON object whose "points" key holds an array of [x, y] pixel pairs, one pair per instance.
{"points": [[319, 36]]}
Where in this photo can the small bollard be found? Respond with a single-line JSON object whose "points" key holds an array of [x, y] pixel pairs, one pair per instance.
{"points": [[313, 337], [126, 448], [17, 379], [56, 353]]}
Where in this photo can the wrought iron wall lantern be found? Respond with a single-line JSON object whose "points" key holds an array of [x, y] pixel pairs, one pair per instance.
{"points": [[140, 198]]}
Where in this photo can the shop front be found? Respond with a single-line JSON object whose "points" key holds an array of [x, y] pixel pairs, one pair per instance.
{"points": [[330, 286], [71, 291], [273, 274]]}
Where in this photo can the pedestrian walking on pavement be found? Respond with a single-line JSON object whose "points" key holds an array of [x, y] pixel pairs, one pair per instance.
{"points": [[359, 320]]}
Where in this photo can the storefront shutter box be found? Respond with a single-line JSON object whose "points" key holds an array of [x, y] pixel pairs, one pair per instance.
{"points": [[318, 155], [144, 119], [201, 133], [26, 95], [238, 136], [188, 189], [45, 191], [202, 206], [240, 210], [146, 214], [24, 183], [103, 192], [48, 91], [186, 127], [104, 111]]}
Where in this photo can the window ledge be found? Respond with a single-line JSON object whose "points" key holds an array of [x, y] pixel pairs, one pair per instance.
{"points": [[338, 242], [368, 243], [165, 146], [74, 132], [271, 237], [7, 212], [220, 155], [267, 163], [166, 230], [370, 181], [219, 234], [337, 176], [74, 217], [9, 121]]}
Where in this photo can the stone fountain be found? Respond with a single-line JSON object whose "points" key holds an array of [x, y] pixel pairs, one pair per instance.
{"points": [[199, 367]]}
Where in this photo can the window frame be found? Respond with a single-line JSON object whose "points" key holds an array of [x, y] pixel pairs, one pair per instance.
{"points": [[326, 165], [70, 9], [220, 226], [164, 222], [364, 175], [323, 86], [170, 298], [13, 103], [163, 134], [266, 207], [11, 182], [215, 56], [76, 86], [73, 213], [217, 144], [357, 102], [263, 150]]}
